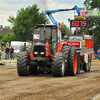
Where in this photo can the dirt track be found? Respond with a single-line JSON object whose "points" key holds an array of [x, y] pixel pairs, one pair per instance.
{"points": [[45, 87]]}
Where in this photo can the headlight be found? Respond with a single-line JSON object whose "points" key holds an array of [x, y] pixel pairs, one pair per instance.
{"points": [[35, 52], [42, 53]]}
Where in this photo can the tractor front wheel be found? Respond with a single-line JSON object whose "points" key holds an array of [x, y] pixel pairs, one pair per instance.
{"points": [[28, 49], [22, 67]]}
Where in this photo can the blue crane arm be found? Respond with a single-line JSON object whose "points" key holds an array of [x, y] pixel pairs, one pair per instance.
{"points": [[49, 13]]}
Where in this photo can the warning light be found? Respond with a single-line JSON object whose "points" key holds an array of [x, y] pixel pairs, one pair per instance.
{"points": [[79, 17], [87, 16], [89, 19], [62, 25]]}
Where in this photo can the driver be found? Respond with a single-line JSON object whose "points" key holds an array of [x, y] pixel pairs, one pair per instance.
{"points": [[77, 32]]}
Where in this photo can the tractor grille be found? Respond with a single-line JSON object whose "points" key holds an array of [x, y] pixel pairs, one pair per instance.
{"points": [[39, 50]]}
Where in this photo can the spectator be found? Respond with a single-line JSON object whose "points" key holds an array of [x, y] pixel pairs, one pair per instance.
{"points": [[11, 53], [7, 53], [0, 54], [77, 32]]}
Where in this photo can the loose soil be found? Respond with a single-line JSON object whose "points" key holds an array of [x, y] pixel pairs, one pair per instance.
{"points": [[45, 87]]}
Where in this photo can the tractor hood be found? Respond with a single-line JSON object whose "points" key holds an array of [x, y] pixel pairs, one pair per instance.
{"points": [[37, 44]]}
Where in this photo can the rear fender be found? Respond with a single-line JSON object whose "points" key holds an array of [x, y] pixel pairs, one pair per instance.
{"points": [[60, 46]]}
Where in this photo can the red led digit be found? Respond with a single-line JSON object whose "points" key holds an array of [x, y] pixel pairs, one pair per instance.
{"points": [[81, 23], [84, 23], [77, 23], [73, 23]]}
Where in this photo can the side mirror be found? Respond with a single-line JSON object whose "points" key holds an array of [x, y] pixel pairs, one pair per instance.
{"points": [[24, 31], [90, 32]]}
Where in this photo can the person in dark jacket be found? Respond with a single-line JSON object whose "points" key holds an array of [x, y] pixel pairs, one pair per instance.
{"points": [[11, 53], [7, 53], [77, 32]]}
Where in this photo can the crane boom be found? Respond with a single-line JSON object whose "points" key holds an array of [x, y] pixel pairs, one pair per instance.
{"points": [[49, 13]]}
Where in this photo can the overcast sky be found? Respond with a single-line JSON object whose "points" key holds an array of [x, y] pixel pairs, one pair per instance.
{"points": [[10, 7]]}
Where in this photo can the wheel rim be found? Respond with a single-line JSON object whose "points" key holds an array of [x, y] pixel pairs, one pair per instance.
{"points": [[63, 65], [75, 61]]}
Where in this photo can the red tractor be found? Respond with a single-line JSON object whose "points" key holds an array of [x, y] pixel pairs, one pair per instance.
{"points": [[49, 53]]}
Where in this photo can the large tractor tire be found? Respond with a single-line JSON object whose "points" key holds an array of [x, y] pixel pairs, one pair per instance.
{"points": [[28, 49], [66, 50], [22, 67], [72, 61], [86, 66], [22, 48], [33, 70], [58, 65]]}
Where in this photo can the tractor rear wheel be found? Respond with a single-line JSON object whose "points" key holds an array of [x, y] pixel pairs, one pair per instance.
{"points": [[58, 65], [72, 61], [33, 70], [66, 50], [22, 67]]}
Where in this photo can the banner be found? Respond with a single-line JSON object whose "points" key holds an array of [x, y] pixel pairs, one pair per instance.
{"points": [[90, 12]]}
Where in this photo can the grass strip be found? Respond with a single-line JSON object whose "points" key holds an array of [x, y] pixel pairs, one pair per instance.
{"points": [[7, 65]]}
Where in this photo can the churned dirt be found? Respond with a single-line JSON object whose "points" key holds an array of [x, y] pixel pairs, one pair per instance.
{"points": [[45, 87]]}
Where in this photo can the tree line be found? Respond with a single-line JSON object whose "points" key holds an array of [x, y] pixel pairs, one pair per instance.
{"points": [[26, 18], [29, 16]]}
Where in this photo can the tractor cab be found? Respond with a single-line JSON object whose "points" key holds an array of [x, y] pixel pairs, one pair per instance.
{"points": [[45, 39], [41, 33]]}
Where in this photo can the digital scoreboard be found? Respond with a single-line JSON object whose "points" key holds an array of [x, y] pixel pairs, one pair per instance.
{"points": [[78, 23]]}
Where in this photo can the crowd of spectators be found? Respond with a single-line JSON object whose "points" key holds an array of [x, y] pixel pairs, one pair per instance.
{"points": [[8, 53]]}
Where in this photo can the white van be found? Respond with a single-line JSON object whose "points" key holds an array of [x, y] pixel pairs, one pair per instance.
{"points": [[16, 46]]}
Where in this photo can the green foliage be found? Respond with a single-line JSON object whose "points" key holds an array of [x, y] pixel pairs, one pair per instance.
{"points": [[65, 27], [2, 36], [95, 21], [83, 30], [7, 27], [91, 4], [8, 38], [26, 19], [11, 20]]}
